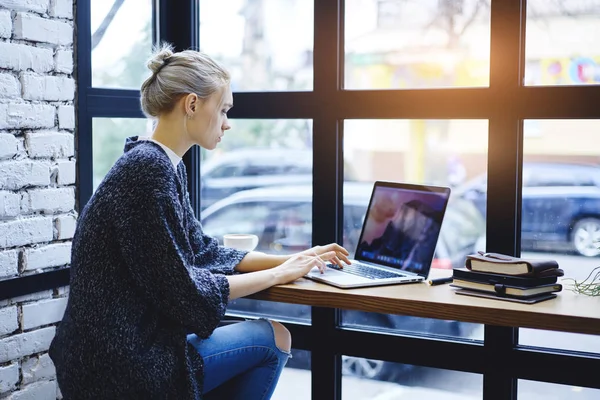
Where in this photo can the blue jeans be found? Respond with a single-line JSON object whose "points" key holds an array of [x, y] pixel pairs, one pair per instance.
{"points": [[241, 361]]}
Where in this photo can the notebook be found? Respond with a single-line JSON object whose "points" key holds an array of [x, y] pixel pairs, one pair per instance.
{"points": [[398, 237]]}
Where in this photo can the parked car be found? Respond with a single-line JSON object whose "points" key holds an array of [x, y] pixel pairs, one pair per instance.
{"points": [[560, 208], [282, 219], [237, 170]]}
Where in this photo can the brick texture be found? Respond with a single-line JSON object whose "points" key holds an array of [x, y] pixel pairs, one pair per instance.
{"points": [[37, 184]]}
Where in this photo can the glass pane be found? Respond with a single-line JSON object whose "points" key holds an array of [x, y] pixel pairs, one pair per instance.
{"points": [[108, 141], [561, 210], [439, 152], [121, 42], [561, 45], [295, 380], [267, 45], [259, 181], [530, 390], [375, 379], [399, 44]]}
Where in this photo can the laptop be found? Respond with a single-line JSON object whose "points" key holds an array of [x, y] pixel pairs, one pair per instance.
{"points": [[397, 240]]}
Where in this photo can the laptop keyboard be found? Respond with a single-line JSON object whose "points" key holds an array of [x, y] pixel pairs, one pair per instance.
{"points": [[366, 271]]}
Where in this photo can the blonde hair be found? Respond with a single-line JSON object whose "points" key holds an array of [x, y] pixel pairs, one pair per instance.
{"points": [[178, 74]]}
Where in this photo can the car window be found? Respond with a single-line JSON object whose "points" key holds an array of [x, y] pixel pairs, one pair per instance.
{"points": [[539, 177], [225, 171], [257, 170], [353, 221], [236, 218], [283, 227], [297, 169], [462, 226]]}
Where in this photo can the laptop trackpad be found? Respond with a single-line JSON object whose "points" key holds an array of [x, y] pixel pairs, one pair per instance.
{"points": [[337, 276]]}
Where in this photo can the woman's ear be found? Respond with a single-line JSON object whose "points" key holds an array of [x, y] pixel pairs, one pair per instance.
{"points": [[191, 104]]}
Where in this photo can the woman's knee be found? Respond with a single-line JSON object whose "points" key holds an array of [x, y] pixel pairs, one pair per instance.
{"points": [[283, 338]]}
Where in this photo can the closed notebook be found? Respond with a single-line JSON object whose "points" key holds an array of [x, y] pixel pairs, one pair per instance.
{"points": [[525, 300], [506, 290], [511, 280], [504, 264]]}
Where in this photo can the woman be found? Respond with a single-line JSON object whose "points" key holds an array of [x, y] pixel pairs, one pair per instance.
{"points": [[148, 288]]}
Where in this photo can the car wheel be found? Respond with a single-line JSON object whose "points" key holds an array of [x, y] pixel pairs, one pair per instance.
{"points": [[586, 237], [361, 367]]}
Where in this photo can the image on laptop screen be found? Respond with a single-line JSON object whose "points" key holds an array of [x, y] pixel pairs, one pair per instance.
{"points": [[402, 227]]}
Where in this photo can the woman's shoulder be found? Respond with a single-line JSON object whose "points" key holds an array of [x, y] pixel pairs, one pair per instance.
{"points": [[145, 161]]}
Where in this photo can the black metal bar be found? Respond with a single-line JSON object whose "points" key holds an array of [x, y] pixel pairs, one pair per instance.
{"points": [[15, 287], [499, 382], [326, 368], [113, 103], [504, 170], [327, 185], [445, 353], [471, 103], [83, 124], [505, 141], [575, 370]]}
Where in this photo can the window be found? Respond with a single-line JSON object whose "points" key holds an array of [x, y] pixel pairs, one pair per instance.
{"points": [[266, 44], [435, 152], [121, 42], [258, 197], [561, 47], [375, 379], [108, 141], [395, 44], [427, 91], [561, 213]]}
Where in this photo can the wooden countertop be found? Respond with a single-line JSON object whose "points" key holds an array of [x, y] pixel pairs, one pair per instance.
{"points": [[569, 312]]}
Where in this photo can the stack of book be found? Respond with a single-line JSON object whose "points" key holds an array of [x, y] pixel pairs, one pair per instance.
{"points": [[499, 276]]}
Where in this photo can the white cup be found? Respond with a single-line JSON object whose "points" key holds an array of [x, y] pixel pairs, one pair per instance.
{"points": [[241, 241]]}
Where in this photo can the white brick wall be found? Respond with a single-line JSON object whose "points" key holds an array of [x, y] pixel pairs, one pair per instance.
{"points": [[9, 321], [19, 174], [55, 88], [37, 29], [53, 255], [64, 61], [26, 344], [25, 115], [48, 144], [5, 24], [65, 172], [22, 57], [44, 390], [9, 376], [43, 312], [9, 263], [10, 86], [40, 6], [38, 368], [37, 184]]}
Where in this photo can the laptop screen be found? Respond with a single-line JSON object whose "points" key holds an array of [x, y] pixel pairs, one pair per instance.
{"points": [[402, 226]]}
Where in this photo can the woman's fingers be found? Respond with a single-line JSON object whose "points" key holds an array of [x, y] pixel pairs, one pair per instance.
{"points": [[328, 255]]}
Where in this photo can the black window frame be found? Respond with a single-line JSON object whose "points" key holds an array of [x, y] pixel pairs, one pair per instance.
{"points": [[499, 358]]}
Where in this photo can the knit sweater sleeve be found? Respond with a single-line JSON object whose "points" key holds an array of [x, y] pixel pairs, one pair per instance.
{"points": [[157, 253], [207, 251]]}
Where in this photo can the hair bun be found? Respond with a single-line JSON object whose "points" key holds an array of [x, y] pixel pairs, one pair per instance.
{"points": [[160, 58]]}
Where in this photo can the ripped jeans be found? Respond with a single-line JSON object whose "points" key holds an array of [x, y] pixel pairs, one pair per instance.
{"points": [[241, 361]]}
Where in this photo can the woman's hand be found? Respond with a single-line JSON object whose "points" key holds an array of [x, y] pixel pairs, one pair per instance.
{"points": [[300, 264], [341, 254]]}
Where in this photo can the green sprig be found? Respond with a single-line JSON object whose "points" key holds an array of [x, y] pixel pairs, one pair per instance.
{"points": [[590, 286]]}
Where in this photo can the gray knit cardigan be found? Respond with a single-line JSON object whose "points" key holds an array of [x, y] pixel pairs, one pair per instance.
{"points": [[143, 276]]}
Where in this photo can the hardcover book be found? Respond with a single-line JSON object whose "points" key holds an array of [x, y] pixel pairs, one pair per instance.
{"points": [[511, 280], [503, 264], [506, 290]]}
